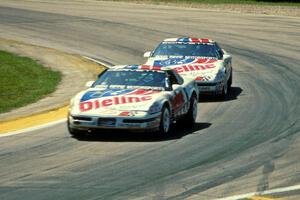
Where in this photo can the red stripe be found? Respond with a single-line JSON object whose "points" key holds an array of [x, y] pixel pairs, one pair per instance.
{"points": [[195, 40], [205, 40], [199, 78], [156, 68], [145, 67]]}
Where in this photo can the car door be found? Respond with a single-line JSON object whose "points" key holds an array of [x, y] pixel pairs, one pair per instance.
{"points": [[226, 59], [179, 97]]}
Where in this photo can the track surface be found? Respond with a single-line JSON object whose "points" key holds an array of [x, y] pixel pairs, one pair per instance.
{"points": [[248, 143]]}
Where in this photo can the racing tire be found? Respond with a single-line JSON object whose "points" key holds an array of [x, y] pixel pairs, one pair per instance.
{"points": [[165, 121], [224, 90], [230, 81], [75, 132], [191, 116]]}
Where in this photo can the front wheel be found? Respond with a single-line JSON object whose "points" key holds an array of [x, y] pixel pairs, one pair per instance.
{"points": [[230, 80], [165, 121], [191, 115], [224, 90]]}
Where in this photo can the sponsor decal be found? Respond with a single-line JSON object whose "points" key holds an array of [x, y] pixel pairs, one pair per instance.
{"points": [[187, 64], [127, 113], [100, 103], [188, 68], [203, 78]]}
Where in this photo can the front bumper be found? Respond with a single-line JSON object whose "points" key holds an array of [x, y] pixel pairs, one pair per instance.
{"points": [[126, 123], [210, 87]]}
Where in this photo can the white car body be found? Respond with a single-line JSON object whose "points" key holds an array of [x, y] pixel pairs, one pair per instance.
{"points": [[212, 74], [129, 107]]}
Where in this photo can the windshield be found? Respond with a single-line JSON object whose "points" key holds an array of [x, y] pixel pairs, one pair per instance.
{"points": [[132, 79], [185, 49]]}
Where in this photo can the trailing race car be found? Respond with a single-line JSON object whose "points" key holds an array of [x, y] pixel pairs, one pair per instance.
{"points": [[134, 97], [201, 59]]}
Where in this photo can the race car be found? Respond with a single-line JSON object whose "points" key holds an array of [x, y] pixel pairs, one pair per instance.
{"points": [[134, 97], [201, 59]]}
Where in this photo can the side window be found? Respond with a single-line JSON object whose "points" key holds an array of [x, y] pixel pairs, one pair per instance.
{"points": [[179, 79]]}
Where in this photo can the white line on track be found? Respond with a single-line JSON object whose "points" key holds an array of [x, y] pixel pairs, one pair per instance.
{"points": [[267, 192], [34, 128], [97, 61]]}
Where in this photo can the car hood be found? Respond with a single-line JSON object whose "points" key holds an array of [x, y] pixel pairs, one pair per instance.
{"points": [[199, 68], [114, 102]]}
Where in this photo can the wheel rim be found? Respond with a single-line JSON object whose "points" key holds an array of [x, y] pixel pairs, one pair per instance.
{"points": [[194, 110], [166, 120]]}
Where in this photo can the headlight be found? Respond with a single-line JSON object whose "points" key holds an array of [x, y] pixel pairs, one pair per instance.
{"points": [[154, 108], [220, 75]]}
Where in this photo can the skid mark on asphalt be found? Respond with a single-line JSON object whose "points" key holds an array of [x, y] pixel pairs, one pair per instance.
{"points": [[263, 184]]}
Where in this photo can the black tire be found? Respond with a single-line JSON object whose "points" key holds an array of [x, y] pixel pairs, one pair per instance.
{"points": [[165, 115], [191, 116], [224, 90], [230, 81]]}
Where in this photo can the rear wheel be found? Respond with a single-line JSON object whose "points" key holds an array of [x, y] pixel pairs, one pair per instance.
{"points": [[165, 121]]}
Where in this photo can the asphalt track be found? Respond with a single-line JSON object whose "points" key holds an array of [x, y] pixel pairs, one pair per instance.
{"points": [[250, 142]]}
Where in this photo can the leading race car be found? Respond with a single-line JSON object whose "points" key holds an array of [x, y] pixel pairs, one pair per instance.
{"points": [[136, 98], [201, 59]]}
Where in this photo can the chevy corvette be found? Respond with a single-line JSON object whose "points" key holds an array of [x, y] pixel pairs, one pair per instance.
{"points": [[201, 59], [136, 98]]}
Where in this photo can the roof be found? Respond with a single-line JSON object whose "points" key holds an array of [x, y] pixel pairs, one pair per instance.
{"points": [[138, 67], [189, 39]]}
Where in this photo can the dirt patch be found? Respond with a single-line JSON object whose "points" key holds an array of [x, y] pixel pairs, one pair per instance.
{"points": [[237, 8]]}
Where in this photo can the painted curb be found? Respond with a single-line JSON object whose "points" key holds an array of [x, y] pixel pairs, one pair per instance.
{"points": [[41, 120]]}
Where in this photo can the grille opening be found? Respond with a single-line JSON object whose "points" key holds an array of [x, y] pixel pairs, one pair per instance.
{"points": [[138, 120], [206, 84], [83, 118], [106, 121]]}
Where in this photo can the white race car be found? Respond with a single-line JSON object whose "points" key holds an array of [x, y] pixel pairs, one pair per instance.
{"points": [[201, 59], [134, 97]]}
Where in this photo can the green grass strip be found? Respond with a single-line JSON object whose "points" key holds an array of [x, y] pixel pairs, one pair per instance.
{"points": [[23, 81]]}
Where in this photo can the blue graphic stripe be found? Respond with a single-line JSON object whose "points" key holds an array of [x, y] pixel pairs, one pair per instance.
{"points": [[183, 40], [104, 93], [173, 61], [131, 67]]}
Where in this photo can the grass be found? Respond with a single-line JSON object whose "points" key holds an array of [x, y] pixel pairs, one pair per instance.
{"points": [[23, 81]]}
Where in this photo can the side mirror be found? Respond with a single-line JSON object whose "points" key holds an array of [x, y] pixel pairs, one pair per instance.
{"points": [[147, 54], [221, 53], [89, 84], [175, 86]]}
